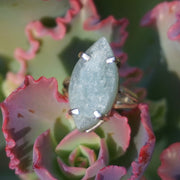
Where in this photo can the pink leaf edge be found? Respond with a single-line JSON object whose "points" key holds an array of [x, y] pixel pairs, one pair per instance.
{"points": [[130, 74], [145, 153], [40, 30], [170, 166], [173, 8], [42, 147], [118, 128], [111, 172], [101, 162], [58, 32], [89, 138], [149, 18], [173, 31], [10, 142]]}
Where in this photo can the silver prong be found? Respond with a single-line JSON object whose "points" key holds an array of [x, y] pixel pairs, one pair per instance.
{"points": [[95, 126], [74, 111], [110, 60], [84, 56], [97, 114]]}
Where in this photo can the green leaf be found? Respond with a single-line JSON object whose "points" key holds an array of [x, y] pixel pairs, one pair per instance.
{"points": [[158, 112]]}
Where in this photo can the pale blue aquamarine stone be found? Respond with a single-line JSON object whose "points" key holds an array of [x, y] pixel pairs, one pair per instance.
{"points": [[93, 85]]}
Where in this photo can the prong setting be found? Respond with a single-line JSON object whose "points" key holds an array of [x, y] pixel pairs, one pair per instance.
{"points": [[97, 114], [110, 60], [95, 126], [74, 111], [84, 56]]}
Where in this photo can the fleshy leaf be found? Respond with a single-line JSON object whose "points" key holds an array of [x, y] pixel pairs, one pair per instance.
{"points": [[12, 82], [117, 134], [165, 16], [45, 167], [101, 162], [142, 142], [26, 13], [170, 166], [82, 29], [89, 153], [73, 155], [111, 172], [75, 138], [71, 172], [151, 171], [69, 143], [91, 140], [27, 112]]}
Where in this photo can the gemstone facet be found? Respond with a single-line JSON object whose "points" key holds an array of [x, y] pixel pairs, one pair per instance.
{"points": [[93, 85]]}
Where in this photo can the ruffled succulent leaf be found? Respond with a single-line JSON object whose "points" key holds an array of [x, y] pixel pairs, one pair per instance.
{"points": [[86, 27], [151, 171], [144, 142], [15, 28], [128, 75], [71, 171], [101, 162], [141, 147], [27, 112], [82, 30], [165, 17], [67, 146], [111, 172], [88, 153], [165, 83], [116, 131], [75, 138], [90, 142], [169, 169], [46, 167], [26, 11], [142, 45]]}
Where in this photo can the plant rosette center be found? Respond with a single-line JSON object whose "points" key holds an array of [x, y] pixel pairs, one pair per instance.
{"points": [[82, 156], [80, 153]]}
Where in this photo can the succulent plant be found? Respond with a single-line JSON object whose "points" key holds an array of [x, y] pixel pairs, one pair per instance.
{"points": [[40, 41]]}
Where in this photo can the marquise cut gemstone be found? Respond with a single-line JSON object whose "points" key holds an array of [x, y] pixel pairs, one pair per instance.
{"points": [[93, 85]]}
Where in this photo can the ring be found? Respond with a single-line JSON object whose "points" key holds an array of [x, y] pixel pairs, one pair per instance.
{"points": [[94, 89]]}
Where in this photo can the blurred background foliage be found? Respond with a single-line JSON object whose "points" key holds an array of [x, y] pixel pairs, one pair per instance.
{"points": [[143, 49]]}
